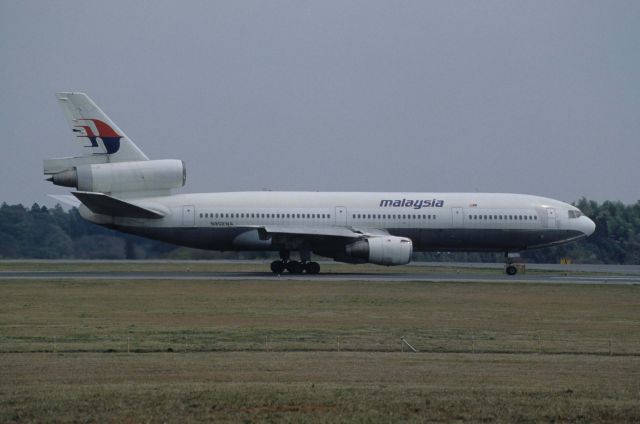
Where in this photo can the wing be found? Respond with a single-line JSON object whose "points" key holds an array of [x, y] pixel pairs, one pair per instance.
{"points": [[288, 234], [309, 231]]}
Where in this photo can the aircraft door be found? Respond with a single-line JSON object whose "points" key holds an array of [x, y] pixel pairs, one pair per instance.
{"points": [[552, 221], [188, 216], [341, 215], [457, 217]]}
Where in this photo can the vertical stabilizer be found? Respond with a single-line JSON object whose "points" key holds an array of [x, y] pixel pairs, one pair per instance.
{"points": [[95, 131]]}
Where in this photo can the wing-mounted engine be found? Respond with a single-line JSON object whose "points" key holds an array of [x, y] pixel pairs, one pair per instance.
{"points": [[381, 250], [120, 177]]}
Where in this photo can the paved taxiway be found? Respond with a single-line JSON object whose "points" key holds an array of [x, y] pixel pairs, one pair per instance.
{"points": [[465, 275]]}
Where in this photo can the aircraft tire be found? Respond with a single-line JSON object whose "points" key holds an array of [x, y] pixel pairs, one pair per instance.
{"points": [[312, 267], [511, 270], [295, 267], [277, 267]]}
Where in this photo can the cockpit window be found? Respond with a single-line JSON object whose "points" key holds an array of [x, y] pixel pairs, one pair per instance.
{"points": [[575, 214]]}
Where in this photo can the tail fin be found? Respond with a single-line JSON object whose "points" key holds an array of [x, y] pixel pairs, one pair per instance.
{"points": [[97, 133]]}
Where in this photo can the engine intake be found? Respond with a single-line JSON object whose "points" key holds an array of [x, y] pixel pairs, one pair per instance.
{"points": [[124, 176], [382, 250]]}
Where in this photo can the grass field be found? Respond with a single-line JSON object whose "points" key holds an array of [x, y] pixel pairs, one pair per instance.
{"points": [[322, 351]]}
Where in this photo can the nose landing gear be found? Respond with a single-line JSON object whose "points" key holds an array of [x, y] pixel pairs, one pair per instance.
{"points": [[510, 266]]}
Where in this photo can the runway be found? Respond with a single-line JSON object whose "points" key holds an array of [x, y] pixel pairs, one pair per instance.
{"points": [[465, 275]]}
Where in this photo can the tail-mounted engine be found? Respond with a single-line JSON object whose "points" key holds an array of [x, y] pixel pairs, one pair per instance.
{"points": [[139, 176]]}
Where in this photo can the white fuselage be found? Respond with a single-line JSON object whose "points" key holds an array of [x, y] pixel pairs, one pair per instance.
{"points": [[433, 221]]}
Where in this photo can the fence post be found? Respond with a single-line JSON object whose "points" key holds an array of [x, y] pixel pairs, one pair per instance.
{"points": [[54, 344], [128, 343], [610, 351], [473, 344], [338, 338]]}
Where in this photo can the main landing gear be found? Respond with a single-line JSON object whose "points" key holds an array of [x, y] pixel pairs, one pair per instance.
{"points": [[295, 267]]}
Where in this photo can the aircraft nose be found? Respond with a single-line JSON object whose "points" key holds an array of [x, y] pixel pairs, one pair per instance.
{"points": [[587, 226]]}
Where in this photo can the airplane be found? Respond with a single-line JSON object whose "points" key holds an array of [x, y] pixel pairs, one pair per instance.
{"points": [[119, 187]]}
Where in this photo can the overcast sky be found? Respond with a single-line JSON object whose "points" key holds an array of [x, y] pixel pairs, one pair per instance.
{"points": [[503, 96]]}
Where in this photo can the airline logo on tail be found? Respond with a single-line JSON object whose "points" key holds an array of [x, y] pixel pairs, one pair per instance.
{"points": [[109, 137]]}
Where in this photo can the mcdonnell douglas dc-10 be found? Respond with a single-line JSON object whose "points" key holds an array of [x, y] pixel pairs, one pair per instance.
{"points": [[120, 188]]}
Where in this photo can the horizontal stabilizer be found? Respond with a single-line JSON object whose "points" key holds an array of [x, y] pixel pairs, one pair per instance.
{"points": [[66, 199], [106, 205]]}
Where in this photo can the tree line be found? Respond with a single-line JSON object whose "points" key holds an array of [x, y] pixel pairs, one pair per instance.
{"points": [[39, 232]]}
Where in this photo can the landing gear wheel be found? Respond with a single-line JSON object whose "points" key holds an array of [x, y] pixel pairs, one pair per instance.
{"points": [[295, 267], [277, 267], [312, 267], [511, 270]]}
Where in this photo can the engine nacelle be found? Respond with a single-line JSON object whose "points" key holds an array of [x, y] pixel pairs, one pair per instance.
{"points": [[382, 250], [121, 177]]}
